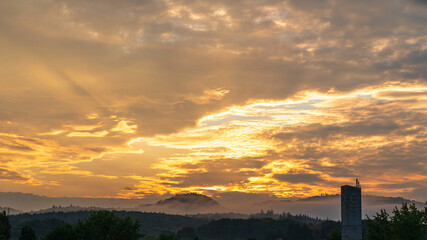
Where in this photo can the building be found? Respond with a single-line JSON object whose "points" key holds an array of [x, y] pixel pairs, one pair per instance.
{"points": [[351, 212]]}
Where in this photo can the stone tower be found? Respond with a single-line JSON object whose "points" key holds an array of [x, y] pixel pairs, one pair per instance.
{"points": [[351, 212]]}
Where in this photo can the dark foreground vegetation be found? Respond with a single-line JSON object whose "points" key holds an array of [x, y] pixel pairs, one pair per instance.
{"points": [[158, 226], [404, 223]]}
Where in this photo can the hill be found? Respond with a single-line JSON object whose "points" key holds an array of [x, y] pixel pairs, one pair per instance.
{"points": [[70, 208], [33, 202], [10, 211], [189, 203]]}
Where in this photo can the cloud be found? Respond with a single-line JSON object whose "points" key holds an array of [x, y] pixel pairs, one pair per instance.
{"points": [[135, 74], [244, 90], [121, 164], [123, 126], [318, 146], [87, 134], [298, 178], [211, 178], [10, 175]]}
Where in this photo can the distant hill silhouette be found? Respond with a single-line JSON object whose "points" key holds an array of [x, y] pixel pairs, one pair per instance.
{"points": [[189, 203], [325, 206], [70, 208], [190, 198], [10, 211], [328, 206], [33, 202]]}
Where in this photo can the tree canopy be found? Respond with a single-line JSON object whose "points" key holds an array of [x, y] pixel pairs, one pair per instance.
{"points": [[335, 234], [406, 223], [64, 232], [27, 233], [4, 226], [100, 225]]}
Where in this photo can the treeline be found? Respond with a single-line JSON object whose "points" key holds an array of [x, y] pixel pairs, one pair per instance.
{"points": [[406, 223], [262, 214], [155, 226], [260, 229], [151, 223], [286, 215]]}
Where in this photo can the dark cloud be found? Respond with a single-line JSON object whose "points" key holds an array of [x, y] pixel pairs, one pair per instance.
{"points": [[127, 55], [152, 63], [11, 175], [418, 192], [398, 185], [298, 178], [19, 147], [211, 178], [236, 164]]}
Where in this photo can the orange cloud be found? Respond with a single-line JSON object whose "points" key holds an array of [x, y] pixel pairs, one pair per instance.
{"points": [[286, 98]]}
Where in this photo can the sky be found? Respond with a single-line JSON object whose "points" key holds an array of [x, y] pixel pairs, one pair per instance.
{"points": [[142, 99]]}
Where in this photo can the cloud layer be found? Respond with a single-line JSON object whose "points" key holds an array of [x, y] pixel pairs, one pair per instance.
{"points": [[157, 97]]}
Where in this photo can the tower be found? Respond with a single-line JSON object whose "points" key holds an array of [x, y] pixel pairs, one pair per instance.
{"points": [[351, 212]]}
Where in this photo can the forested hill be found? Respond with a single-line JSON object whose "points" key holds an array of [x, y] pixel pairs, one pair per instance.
{"points": [[190, 203], [186, 226]]}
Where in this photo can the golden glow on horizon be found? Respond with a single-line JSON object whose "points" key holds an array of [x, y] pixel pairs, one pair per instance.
{"points": [[237, 134]]}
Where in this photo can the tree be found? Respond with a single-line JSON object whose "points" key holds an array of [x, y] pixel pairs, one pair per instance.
{"points": [[102, 225], [335, 234], [407, 223], [27, 233], [105, 225], [4, 226], [379, 228], [64, 232], [186, 232]]}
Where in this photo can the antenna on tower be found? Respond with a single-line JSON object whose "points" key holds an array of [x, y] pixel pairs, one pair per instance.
{"points": [[357, 183]]}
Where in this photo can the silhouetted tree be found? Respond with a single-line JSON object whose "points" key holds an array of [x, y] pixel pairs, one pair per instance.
{"points": [[4, 226], [186, 232], [100, 225], [298, 231], [407, 223], [335, 234], [379, 228], [64, 232], [105, 225], [27, 233]]}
